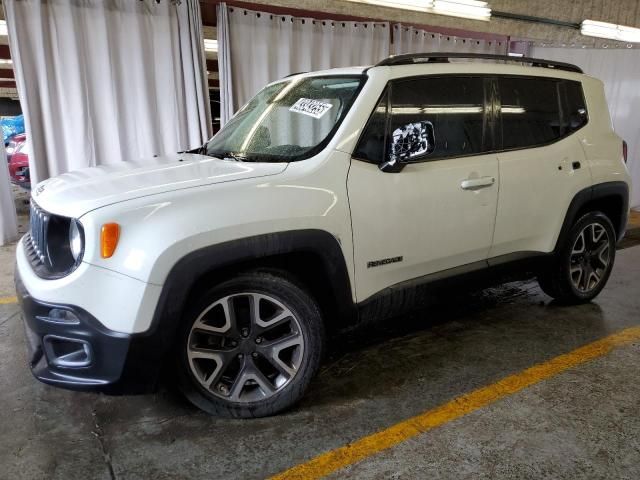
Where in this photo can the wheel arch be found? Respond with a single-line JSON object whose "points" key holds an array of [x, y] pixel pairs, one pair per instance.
{"points": [[612, 198], [316, 255]]}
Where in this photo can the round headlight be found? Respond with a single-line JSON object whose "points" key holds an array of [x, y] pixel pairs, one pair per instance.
{"points": [[75, 239]]}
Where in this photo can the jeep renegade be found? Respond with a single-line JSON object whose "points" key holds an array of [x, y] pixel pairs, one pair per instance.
{"points": [[330, 198]]}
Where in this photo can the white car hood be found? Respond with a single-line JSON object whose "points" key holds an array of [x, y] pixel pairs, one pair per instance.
{"points": [[76, 193]]}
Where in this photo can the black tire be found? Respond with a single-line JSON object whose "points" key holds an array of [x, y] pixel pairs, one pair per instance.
{"points": [[309, 326], [557, 281]]}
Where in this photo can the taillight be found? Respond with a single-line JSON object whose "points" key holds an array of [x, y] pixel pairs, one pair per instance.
{"points": [[624, 151]]}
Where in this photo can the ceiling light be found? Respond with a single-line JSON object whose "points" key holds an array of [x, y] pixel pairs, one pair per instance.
{"points": [[5, 61], [210, 45], [417, 5], [610, 30], [3, 28], [473, 9]]}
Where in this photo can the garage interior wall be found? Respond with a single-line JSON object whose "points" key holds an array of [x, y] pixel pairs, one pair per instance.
{"points": [[265, 47], [81, 66], [619, 69]]}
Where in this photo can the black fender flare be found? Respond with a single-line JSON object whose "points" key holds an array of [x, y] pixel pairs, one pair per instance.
{"points": [[589, 194], [148, 350]]}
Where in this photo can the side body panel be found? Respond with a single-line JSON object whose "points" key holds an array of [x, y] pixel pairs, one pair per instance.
{"points": [[422, 215], [601, 145], [536, 188]]}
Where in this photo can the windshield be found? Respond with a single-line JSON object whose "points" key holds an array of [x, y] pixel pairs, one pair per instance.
{"points": [[287, 121]]}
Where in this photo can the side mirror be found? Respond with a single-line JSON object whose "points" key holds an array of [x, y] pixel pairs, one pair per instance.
{"points": [[409, 144]]}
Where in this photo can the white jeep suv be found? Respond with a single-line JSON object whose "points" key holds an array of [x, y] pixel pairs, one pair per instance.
{"points": [[331, 198]]}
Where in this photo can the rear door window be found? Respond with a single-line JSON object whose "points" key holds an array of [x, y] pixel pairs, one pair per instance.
{"points": [[537, 111], [530, 111]]}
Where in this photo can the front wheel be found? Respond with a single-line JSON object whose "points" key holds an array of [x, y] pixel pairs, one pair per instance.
{"points": [[582, 266], [250, 346]]}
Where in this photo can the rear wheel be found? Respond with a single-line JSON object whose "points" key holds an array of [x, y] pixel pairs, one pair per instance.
{"points": [[250, 346], [582, 267]]}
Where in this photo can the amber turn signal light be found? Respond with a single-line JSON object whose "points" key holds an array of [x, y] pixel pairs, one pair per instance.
{"points": [[109, 239]]}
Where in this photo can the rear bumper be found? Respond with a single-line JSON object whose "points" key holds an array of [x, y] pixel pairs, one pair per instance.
{"points": [[83, 354]]}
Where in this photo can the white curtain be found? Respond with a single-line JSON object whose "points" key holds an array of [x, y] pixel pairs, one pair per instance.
{"points": [[104, 81], [8, 219], [619, 69], [263, 47], [412, 40], [224, 64]]}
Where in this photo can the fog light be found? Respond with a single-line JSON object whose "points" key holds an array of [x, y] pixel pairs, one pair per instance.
{"points": [[59, 315], [67, 352]]}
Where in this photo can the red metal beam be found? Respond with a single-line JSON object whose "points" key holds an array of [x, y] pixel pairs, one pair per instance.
{"points": [[212, 65], [4, 52]]}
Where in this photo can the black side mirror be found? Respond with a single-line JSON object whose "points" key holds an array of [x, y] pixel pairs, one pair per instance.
{"points": [[409, 143]]}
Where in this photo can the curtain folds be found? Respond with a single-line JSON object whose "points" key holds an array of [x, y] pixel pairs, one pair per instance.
{"points": [[8, 218], [619, 70], [224, 64], [197, 106], [104, 81], [413, 40], [263, 47]]}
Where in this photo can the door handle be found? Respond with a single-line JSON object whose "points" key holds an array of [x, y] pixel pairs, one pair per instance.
{"points": [[477, 183]]}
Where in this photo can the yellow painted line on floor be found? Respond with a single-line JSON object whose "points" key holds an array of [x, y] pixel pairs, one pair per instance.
{"points": [[359, 450], [8, 300]]}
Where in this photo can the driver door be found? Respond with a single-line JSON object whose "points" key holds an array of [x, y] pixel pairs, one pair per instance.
{"points": [[434, 207]]}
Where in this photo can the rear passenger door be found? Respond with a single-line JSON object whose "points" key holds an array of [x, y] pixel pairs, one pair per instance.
{"points": [[542, 164], [439, 211]]}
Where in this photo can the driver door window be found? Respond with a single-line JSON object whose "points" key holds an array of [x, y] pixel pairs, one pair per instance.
{"points": [[438, 117]]}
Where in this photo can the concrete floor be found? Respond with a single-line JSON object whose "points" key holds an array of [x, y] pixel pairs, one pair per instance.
{"points": [[584, 423]]}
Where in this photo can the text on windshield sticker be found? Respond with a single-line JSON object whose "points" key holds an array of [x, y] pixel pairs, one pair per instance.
{"points": [[313, 108]]}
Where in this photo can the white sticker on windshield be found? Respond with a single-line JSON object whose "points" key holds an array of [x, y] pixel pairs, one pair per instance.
{"points": [[313, 108]]}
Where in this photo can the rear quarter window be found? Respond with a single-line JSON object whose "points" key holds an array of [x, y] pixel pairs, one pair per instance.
{"points": [[539, 111]]}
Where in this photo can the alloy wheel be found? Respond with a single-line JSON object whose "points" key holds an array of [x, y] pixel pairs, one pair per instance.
{"points": [[590, 257], [245, 347]]}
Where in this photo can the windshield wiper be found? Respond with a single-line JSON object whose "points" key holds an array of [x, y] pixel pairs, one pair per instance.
{"points": [[235, 156], [201, 150]]}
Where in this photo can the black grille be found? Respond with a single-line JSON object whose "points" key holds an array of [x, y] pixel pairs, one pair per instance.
{"points": [[39, 223], [47, 244]]}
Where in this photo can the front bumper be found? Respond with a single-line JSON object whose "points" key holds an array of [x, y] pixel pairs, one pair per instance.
{"points": [[83, 354]]}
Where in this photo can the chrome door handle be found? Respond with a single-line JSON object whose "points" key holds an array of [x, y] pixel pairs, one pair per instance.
{"points": [[477, 183]]}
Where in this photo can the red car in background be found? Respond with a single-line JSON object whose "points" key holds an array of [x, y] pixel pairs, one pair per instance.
{"points": [[14, 143], [19, 165]]}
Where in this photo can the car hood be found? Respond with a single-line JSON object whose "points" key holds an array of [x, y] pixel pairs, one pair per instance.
{"points": [[75, 193]]}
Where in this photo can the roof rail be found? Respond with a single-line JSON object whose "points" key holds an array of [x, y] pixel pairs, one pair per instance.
{"points": [[443, 57]]}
